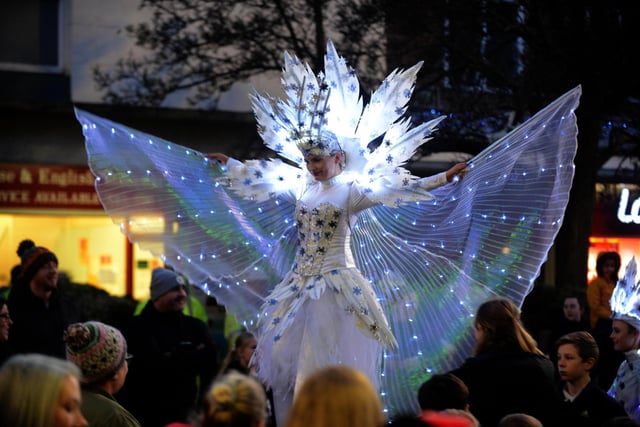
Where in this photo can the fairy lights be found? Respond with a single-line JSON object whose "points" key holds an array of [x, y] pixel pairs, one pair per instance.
{"points": [[494, 226]]}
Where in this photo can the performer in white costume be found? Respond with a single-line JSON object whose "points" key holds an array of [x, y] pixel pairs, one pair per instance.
{"points": [[325, 311], [625, 312], [334, 252]]}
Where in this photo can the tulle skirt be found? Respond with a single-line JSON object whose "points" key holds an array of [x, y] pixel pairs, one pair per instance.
{"points": [[311, 322]]}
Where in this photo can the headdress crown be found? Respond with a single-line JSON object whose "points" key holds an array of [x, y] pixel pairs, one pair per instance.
{"points": [[310, 133]]}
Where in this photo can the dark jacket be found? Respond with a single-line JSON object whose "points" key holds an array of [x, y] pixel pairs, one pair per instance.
{"points": [[102, 410], [5, 351], [39, 327], [502, 383], [591, 408], [174, 358]]}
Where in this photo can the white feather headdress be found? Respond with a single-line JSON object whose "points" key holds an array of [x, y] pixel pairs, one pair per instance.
{"points": [[326, 112], [625, 300]]}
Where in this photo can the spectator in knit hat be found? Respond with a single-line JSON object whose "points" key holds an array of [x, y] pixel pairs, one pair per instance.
{"points": [[100, 351], [174, 357], [39, 312]]}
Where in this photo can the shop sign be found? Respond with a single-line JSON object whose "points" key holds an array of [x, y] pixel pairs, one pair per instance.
{"points": [[617, 211], [38, 186], [628, 210]]}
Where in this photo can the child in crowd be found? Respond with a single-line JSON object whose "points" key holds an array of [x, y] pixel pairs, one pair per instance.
{"points": [[625, 335], [444, 398], [233, 400], [585, 403], [571, 317], [598, 296], [240, 355]]}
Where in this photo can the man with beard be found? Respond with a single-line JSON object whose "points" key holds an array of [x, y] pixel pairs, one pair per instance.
{"points": [[174, 356], [40, 313]]}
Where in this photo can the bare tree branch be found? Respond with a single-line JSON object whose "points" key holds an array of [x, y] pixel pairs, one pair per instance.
{"points": [[203, 47]]}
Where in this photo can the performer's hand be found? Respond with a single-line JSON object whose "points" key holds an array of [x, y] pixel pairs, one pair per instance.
{"points": [[222, 158], [457, 171]]}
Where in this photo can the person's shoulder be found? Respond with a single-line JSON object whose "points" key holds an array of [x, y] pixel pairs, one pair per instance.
{"points": [[99, 409], [595, 396], [90, 395], [138, 320], [138, 324], [595, 390], [17, 293], [194, 321], [63, 299], [469, 367], [597, 282], [236, 366], [511, 360], [472, 361], [535, 360]]}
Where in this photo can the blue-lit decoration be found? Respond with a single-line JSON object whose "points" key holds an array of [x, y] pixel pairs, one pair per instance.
{"points": [[431, 257]]}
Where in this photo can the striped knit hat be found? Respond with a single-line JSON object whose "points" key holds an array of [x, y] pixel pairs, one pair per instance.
{"points": [[98, 349], [33, 259]]}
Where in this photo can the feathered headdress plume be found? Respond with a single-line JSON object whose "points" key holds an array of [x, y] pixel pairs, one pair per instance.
{"points": [[324, 113], [625, 300]]}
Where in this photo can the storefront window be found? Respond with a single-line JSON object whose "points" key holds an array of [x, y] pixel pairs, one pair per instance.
{"points": [[616, 223], [90, 250]]}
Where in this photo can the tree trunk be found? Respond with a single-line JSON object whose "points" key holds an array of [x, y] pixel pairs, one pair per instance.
{"points": [[572, 242]]}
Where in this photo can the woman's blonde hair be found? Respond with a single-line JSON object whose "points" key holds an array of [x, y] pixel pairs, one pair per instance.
{"points": [[234, 400], [499, 319], [336, 396], [30, 385]]}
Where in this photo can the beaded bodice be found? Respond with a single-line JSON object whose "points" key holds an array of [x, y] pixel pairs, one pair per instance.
{"points": [[316, 228]]}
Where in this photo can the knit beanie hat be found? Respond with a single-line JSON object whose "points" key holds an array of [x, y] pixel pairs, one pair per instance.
{"points": [[33, 259], [163, 280], [99, 350]]}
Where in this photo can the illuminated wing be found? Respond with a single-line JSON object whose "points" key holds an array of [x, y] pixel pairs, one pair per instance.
{"points": [[167, 198], [432, 263]]}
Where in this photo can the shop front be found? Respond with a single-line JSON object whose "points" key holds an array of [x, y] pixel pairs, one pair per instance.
{"points": [[616, 223], [57, 206]]}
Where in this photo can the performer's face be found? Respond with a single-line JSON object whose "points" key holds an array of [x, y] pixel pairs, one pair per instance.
{"points": [[323, 167], [624, 337]]}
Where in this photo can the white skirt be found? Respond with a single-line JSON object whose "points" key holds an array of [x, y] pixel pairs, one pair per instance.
{"points": [[311, 322]]}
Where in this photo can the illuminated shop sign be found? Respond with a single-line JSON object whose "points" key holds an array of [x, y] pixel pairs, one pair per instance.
{"points": [[617, 210], [47, 187], [628, 210]]}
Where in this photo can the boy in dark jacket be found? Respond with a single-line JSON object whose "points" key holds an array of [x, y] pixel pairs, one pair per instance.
{"points": [[585, 403]]}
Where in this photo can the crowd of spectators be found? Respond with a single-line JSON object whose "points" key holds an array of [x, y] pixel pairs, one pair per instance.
{"points": [[162, 368]]}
